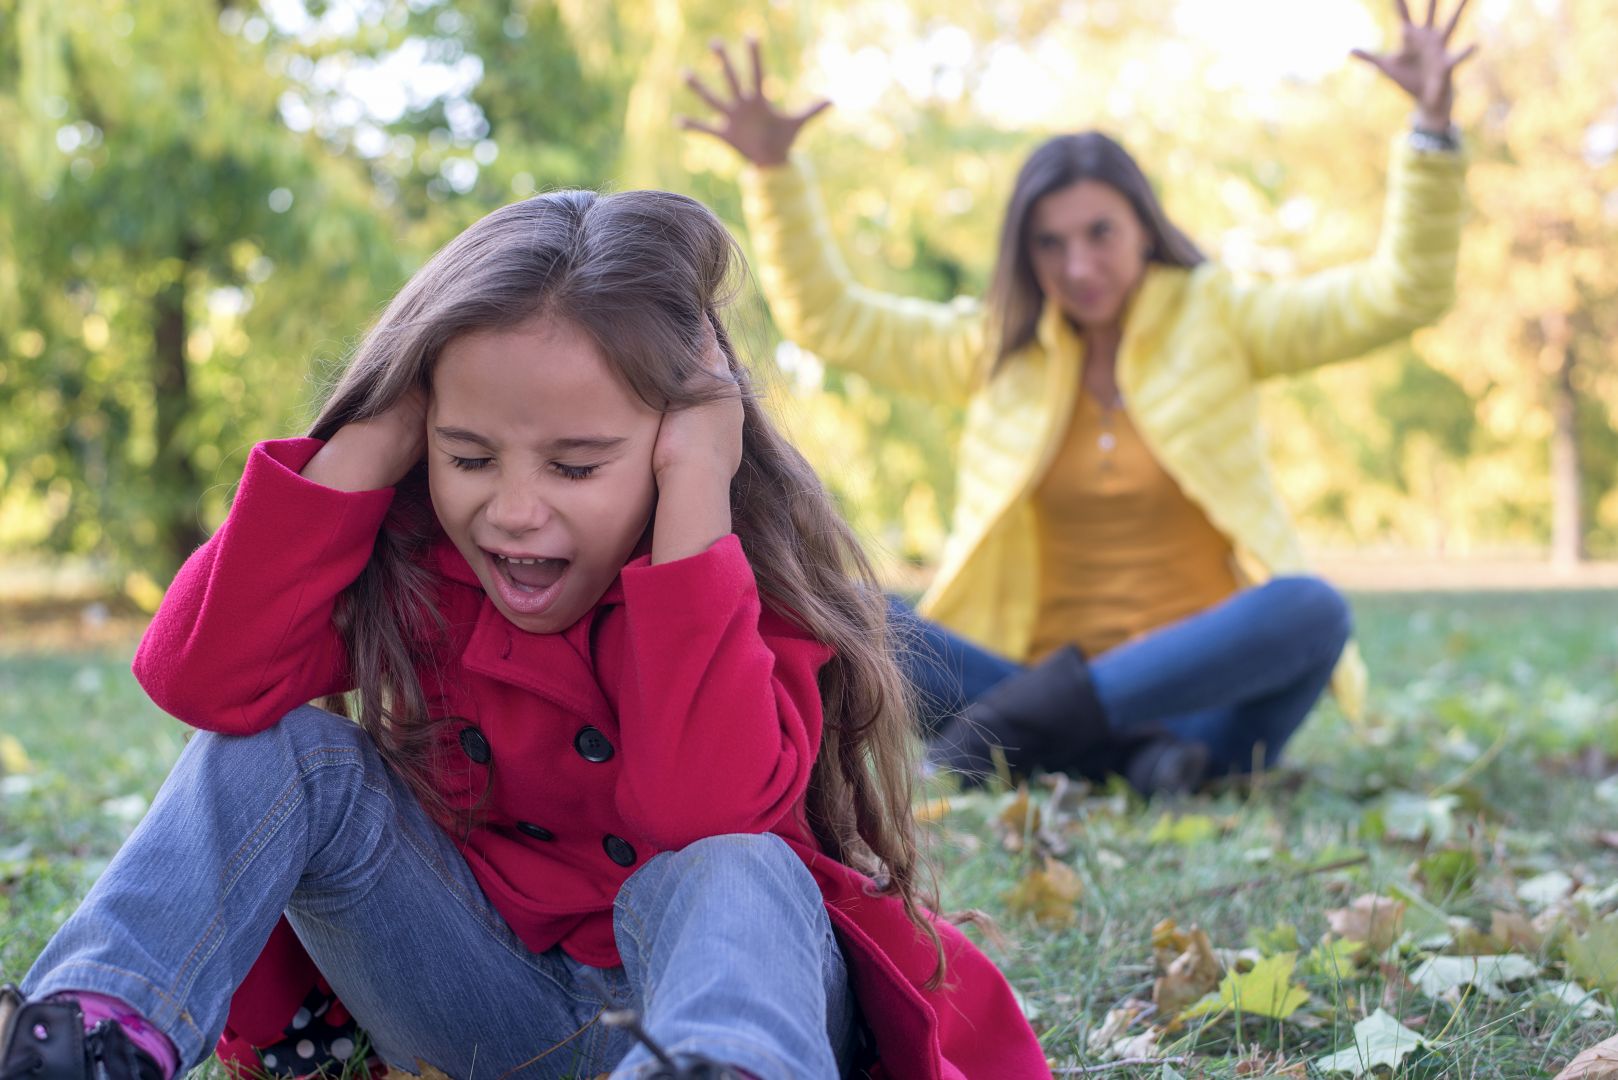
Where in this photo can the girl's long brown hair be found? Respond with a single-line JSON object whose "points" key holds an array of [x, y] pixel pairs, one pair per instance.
{"points": [[646, 274]]}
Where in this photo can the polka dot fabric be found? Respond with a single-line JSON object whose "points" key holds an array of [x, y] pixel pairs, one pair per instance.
{"points": [[319, 1040]]}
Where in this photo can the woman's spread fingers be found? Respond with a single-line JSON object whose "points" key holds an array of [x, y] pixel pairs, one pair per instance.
{"points": [[813, 111], [1454, 19], [729, 69], [758, 66], [700, 88], [690, 124]]}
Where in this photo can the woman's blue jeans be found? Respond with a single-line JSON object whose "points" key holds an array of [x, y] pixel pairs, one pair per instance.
{"points": [[726, 947], [1239, 677]]}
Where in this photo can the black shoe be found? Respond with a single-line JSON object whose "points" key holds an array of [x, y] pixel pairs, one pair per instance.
{"points": [[46, 1040], [1167, 766]]}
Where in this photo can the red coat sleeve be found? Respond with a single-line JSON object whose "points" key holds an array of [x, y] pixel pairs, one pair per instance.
{"points": [[720, 717], [244, 635]]}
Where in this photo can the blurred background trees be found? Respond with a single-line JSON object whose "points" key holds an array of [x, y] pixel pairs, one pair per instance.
{"points": [[203, 203]]}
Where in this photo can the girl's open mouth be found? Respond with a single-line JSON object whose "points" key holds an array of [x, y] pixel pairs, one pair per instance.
{"points": [[527, 586]]}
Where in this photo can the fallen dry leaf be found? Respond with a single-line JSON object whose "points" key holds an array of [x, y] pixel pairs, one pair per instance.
{"points": [[427, 1072], [1168, 941], [1375, 920], [1188, 977], [1600, 1062], [1516, 932], [1134, 1047], [1048, 893], [1114, 1026], [1270, 1066], [1020, 818]]}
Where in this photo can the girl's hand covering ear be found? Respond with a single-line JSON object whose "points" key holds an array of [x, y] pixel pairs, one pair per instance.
{"points": [[747, 120], [703, 439], [1424, 66], [698, 450], [378, 452]]}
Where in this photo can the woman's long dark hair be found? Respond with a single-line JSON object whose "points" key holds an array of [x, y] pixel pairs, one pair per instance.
{"points": [[645, 274], [1015, 298]]}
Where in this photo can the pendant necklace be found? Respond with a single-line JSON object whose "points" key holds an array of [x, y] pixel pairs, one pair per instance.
{"points": [[1107, 440]]}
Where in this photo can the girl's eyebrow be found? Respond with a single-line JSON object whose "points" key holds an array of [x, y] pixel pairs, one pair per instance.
{"points": [[595, 443], [564, 445], [455, 434]]}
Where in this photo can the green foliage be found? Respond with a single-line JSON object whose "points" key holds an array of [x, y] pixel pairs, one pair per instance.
{"points": [[195, 213], [175, 271]]}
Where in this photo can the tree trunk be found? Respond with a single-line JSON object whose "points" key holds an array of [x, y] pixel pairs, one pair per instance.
{"points": [[1567, 488], [175, 478]]}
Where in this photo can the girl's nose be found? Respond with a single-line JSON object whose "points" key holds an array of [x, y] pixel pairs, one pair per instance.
{"points": [[517, 508]]}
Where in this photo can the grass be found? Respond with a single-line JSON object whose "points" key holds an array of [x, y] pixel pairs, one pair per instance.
{"points": [[1492, 731]]}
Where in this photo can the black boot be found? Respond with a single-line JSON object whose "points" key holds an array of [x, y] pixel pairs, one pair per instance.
{"points": [[1167, 766], [46, 1040], [1046, 716], [1049, 717]]}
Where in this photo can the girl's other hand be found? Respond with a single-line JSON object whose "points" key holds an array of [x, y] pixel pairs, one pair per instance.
{"points": [[365, 455], [1424, 66], [698, 450], [747, 120]]}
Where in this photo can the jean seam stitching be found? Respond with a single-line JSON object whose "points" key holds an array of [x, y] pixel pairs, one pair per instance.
{"points": [[270, 823]]}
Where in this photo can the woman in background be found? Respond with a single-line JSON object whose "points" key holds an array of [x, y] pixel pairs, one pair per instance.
{"points": [[1122, 590]]}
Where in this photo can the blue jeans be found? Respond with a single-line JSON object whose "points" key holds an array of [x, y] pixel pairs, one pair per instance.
{"points": [[1239, 677], [726, 947]]}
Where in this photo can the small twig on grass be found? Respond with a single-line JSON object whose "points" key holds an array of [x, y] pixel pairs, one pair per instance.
{"points": [[1121, 1063], [1277, 879], [1483, 761]]}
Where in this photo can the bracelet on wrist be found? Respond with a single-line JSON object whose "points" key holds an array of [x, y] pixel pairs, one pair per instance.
{"points": [[1426, 141]]}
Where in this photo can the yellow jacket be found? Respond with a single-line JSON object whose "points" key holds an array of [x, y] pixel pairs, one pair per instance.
{"points": [[1195, 344]]}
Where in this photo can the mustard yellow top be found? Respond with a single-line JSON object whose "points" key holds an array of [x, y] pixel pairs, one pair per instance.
{"points": [[1122, 551], [1194, 347]]}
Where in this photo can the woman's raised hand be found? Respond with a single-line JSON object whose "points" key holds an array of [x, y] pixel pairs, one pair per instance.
{"points": [[746, 119], [1424, 66]]}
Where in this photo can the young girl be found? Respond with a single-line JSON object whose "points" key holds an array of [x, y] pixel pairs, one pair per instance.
{"points": [[627, 735]]}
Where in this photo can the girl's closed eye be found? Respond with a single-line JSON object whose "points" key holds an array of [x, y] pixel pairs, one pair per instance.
{"points": [[574, 472], [470, 464]]}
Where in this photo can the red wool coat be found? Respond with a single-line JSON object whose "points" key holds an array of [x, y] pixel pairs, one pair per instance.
{"points": [[707, 701]]}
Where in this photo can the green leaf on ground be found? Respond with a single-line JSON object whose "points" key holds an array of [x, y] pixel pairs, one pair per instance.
{"points": [[1186, 830], [1586, 1004], [1543, 890], [1593, 956], [13, 758], [1440, 974], [1417, 817], [1266, 990], [1449, 873], [1380, 1041]]}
